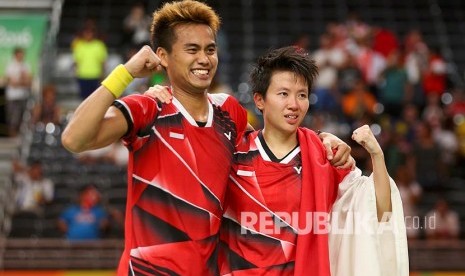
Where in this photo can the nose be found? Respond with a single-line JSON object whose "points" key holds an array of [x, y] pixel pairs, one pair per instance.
{"points": [[203, 58], [292, 103]]}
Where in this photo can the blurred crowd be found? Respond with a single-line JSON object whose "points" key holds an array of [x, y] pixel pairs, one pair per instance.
{"points": [[400, 87]]}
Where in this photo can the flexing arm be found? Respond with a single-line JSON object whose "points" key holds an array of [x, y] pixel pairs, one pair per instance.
{"points": [[364, 136], [96, 123]]}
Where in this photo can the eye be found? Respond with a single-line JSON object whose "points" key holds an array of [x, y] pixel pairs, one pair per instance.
{"points": [[302, 95], [282, 93], [211, 51], [191, 50]]}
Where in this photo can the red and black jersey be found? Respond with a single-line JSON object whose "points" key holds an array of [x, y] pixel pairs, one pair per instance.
{"points": [[258, 233], [177, 175], [267, 226]]}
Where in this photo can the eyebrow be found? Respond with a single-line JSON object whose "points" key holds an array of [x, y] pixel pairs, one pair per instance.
{"points": [[187, 45]]}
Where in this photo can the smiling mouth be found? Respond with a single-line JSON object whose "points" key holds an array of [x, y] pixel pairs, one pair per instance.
{"points": [[200, 72], [291, 116]]}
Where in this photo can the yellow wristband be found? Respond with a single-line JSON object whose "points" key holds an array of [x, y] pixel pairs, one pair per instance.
{"points": [[118, 80]]}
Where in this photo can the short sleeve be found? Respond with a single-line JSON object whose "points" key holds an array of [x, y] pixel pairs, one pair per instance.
{"points": [[67, 215], [140, 112]]}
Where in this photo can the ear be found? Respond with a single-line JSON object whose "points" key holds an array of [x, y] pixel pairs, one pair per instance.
{"points": [[259, 101], [163, 55]]}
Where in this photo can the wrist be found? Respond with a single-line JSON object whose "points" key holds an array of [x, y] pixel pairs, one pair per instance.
{"points": [[118, 80], [377, 154], [128, 68]]}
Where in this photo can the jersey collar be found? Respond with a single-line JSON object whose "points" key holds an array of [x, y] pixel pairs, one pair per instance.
{"points": [[189, 118], [266, 157]]}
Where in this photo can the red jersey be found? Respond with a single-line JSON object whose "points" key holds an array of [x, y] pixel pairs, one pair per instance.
{"points": [[177, 176], [258, 235], [262, 225]]}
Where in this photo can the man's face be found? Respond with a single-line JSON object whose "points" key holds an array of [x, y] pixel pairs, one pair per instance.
{"points": [[286, 102], [193, 60]]}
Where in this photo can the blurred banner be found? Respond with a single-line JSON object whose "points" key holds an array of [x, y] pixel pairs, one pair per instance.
{"points": [[21, 30]]}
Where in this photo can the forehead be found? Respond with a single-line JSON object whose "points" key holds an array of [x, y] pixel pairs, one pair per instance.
{"points": [[199, 34], [287, 79]]}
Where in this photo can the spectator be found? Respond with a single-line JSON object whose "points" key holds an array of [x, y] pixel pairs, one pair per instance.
{"points": [[33, 190], [358, 102], [328, 59], [90, 54], [444, 136], [348, 75], [18, 85], [425, 159], [408, 122], [394, 91], [457, 106], [46, 110], [136, 25], [443, 223], [384, 41], [395, 147], [370, 62], [434, 78], [416, 60], [86, 220], [410, 193], [433, 112]]}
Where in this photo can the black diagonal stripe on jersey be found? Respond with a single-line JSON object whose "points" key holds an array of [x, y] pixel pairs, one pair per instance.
{"points": [[212, 262], [170, 120], [235, 261], [150, 268], [210, 196], [245, 158], [255, 238], [161, 228], [158, 196], [282, 268]]}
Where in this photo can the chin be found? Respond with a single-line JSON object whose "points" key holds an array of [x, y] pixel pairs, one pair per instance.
{"points": [[289, 130]]}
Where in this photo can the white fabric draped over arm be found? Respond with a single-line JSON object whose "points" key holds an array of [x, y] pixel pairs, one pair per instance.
{"points": [[359, 245]]}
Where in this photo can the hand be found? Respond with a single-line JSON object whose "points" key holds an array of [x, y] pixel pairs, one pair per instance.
{"points": [[365, 137], [160, 93], [143, 63], [337, 151]]}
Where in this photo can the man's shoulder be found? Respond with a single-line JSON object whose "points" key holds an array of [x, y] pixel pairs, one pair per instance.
{"points": [[219, 99]]}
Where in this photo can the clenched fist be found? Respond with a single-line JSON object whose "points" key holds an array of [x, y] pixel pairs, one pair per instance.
{"points": [[365, 137], [143, 63]]}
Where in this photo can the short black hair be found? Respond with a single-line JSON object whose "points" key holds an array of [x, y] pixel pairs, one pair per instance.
{"points": [[290, 58]]}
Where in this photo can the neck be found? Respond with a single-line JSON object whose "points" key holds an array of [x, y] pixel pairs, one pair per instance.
{"points": [[280, 143], [195, 104]]}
